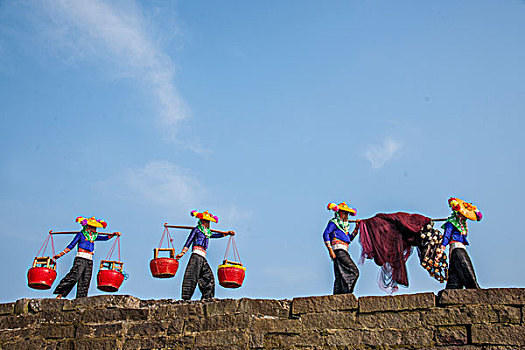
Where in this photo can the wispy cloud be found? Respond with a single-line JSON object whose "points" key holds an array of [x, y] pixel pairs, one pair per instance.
{"points": [[378, 155], [117, 33]]}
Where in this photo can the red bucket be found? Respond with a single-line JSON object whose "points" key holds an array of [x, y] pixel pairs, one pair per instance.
{"points": [[42, 274], [163, 267], [110, 276], [231, 274]]}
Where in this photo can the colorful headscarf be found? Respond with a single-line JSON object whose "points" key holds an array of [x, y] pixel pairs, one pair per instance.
{"points": [[340, 223], [204, 229], [458, 221], [90, 236]]}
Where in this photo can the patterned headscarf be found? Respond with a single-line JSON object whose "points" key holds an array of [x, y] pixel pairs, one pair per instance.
{"points": [[204, 229], [90, 236], [459, 222], [340, 223]]}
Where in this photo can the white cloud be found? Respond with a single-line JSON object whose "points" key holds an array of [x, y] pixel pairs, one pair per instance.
{"points": [[118, 34], [160, 182], [378, 155]]}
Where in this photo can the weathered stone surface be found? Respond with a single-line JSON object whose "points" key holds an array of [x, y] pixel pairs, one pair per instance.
{"points": [[99, 344], [335, 320], [498, 334], [7, 309], [395, 303], [264, 307], [38, 305], [225, 338], [218, 322], [373, 323], [103, 302], [108, 315], [390, 320], [221, 307], [100, 330], [453, 335], [495, 296], [276, 325], [326, 303], [56, 331], [471, 314], [22, 306]]}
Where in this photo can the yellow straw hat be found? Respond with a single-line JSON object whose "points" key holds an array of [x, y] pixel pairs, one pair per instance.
{"points": [[468, 210], [91, 222], [342, 207], [204, 216]]}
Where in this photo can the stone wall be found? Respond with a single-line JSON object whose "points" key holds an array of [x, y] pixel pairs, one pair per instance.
{"points": [[456, 319]]}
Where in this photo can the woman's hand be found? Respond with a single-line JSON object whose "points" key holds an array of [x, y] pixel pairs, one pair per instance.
{"points": [[331, 252], [55, 257], [231, 233], [180, 255]]}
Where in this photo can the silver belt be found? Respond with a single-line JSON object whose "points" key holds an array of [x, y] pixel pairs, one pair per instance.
{"points": [[454, 245], [339, 246], [199, 252], [85, 255]]}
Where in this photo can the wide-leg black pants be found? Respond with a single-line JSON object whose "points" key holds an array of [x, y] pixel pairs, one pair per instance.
{"points": [[346, 272], [80, 273], [198, 272], [461, 272]]}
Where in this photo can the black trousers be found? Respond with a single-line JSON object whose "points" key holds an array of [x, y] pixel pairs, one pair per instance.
{"points": [[199, 272], [80, 273], [461, 272], [346, 272]]}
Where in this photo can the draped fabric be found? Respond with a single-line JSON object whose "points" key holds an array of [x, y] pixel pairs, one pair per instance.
{"points": [[388, 240], [198, 272]]}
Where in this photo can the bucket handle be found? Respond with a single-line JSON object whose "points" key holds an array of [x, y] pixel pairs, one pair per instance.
{"points": [[112, 265], [226, 262], [44, 261], [157, 250]]}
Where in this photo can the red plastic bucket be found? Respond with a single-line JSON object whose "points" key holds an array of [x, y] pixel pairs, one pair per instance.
{"points": [[110, 276], [231, 274], [163, 267], [42, 274]]}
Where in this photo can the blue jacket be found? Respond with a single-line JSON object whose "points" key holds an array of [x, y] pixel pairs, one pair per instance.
{"points": [[83, 243], [332, 231], [198, 238], [453, 234]]}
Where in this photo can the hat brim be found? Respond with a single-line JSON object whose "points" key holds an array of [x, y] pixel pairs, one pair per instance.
{"points": [[469, 214], [348, 210], [209, 218], [94, 223]]}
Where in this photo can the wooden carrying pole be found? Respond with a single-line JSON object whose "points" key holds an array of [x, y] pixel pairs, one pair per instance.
{"points": [[74, 233], [430, 219], [191, 228]]}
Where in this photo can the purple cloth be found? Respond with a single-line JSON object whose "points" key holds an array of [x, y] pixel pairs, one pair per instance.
{"points": [[388, 239]]}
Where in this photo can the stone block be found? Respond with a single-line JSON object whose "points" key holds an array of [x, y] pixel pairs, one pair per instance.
{"points": [[103, 302], [225, 338], [110, 315], [326, 303], [17, 333], [38, 305], [100, 330], [174, 327], [453, 335], [147, 329], [471, 314], [264, 307], [389, 320], [55, 331], [218, 322], [268, 324], [99, 344], [494, 296], [221, 307], [421, 337], [22, 306], [176, 310], [29, 344], [498, 334], [7, 309], [14, 322], [292, 341], [397, 302], [333, 320]]}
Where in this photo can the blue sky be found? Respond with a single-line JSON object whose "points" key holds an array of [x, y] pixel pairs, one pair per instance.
{"points": [[262, 113]]}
